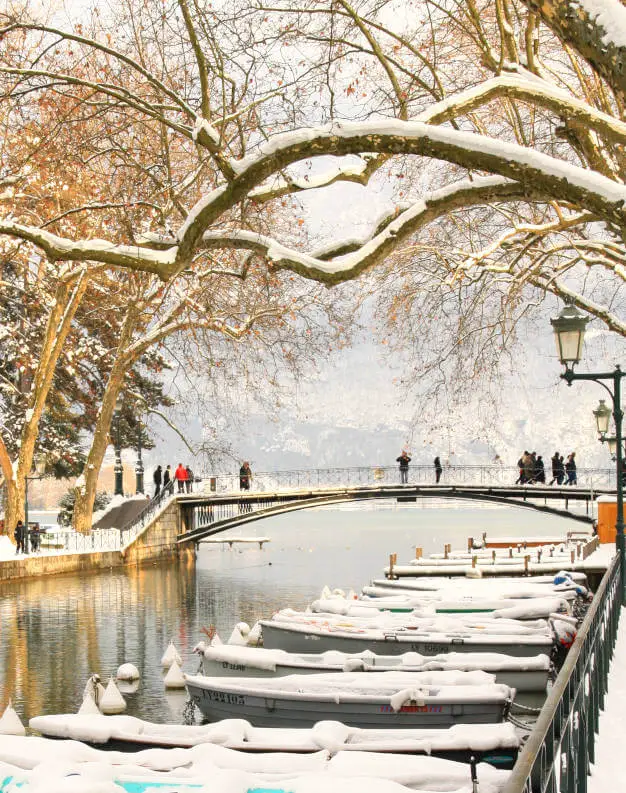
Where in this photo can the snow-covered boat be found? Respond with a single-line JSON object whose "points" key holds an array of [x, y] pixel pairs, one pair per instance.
{"points": [[524, 608], [374, 701], [480, 584], [505, 621], [299, 637], [523, 674], [33, 763], [496, 743]]}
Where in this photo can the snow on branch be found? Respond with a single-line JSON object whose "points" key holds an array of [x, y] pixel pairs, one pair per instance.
{"points": [[460, 194]]}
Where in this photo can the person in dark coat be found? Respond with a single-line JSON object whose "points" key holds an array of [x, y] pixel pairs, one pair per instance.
{"points": [[245, 475], [438, 469], [570, 470], [157, 476], [540, 471], [189, 480], [555, 467], [560, 475], [404, 461], [167, 480], [35, 534], [20, 536]]}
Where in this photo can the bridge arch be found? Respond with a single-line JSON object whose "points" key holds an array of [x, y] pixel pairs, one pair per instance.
{"points": [[203, 517]]}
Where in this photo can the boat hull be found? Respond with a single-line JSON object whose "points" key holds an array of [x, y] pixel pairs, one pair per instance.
{"points": [[216, 703], [520, 679], [280, 636]]}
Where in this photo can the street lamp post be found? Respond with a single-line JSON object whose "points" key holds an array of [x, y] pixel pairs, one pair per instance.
{"points": [[569, 330], [118, 469], [39, 468], [139, 469]]}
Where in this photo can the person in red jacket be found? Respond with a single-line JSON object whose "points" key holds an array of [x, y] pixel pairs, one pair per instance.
{"points": [[180, 475]]}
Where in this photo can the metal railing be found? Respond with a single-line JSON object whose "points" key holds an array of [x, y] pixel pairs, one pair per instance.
{"points": [[74, 542], [319, 478], [560, 749], [389, 475]]}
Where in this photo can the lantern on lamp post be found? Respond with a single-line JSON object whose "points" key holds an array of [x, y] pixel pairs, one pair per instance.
{"points": [[569, 332]]}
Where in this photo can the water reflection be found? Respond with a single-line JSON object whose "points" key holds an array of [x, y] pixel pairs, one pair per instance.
{"points": [[56, 631]]}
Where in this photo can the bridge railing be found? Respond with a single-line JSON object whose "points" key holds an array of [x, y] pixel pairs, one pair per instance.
{"points": [[319, 478], [557, 755], [313, 478]]}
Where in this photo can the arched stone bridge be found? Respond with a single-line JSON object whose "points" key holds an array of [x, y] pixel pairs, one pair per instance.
{"points": [[205, 515]]}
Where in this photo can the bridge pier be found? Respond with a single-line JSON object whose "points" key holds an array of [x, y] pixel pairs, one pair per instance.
{"points": [[158, 541]]}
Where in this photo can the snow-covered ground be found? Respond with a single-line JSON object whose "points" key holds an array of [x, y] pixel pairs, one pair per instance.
{"points": [[607, 772]]}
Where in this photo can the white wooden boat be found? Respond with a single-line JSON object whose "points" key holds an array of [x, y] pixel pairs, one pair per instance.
{"points": [[389, 700], [305, 638], [525, 608], [500, 583], [26, 761], [494, 622], [130, 733], [523, 674]]}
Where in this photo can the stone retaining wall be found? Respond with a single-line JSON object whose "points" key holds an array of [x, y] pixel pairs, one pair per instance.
{"points": [[157, 542], [34, 566]]}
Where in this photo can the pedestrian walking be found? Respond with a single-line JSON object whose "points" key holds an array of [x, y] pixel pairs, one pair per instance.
{"points": [[245, 476], [560, 471], [20, 535], [180, 475], [520, 469], [570, 470], [554, 460], [157, 477], [540, 471], [189, 480], [529, 467], [438, 469], [35, 534], [168, 484], [404, 461]]}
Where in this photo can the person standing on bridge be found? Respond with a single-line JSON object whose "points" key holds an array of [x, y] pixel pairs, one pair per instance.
{"points": [[438, 469], [180, 475], [570, 469], [245, 475], [404, 461], [167, 480], [555, 467], [157, 477]]}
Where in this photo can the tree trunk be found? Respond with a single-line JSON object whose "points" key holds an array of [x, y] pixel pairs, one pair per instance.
{"points": [[68, 295], [86, 486]]}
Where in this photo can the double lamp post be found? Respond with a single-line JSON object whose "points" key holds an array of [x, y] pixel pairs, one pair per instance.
{"points": [[569, 330]]}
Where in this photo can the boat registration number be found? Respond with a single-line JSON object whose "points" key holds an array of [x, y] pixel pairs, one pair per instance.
{"points": [[235, 667], [429, 649], [226, 698], [412, 709]]}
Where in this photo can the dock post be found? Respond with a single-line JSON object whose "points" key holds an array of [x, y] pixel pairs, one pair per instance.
{"points": [[510, 552], [526, 562], [573, 556], [484, 537], [418, 552], [493, 556], [392, 561], [446, 550], [470, 544], [474, 560]]}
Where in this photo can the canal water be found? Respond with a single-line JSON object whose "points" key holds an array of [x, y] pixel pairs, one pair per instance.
{"points": [[57, 630]]}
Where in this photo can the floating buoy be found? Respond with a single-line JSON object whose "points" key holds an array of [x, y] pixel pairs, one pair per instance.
{"points": [[95, 688], [10, 723], [254, 637], [128, 686], [237, 638], [112, 701], [174, 678], [88, 706], [170, 655], [127, 672]]}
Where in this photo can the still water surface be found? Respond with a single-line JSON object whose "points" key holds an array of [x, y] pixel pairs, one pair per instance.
{"points": [[56, 631]]}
